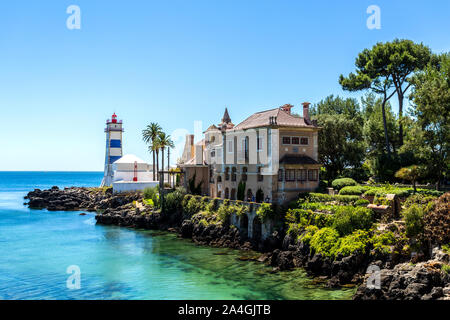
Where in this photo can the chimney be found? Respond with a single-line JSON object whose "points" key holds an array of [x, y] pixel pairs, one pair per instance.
{"points": [[287, 108], [306, 111]]}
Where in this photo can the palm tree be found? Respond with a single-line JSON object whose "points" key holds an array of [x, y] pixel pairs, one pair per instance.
{"points": [[149, 135], [156, 146], [164, 142]]}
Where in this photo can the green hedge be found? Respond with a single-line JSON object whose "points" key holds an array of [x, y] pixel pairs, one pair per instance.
{"points": [[322, 197], [352, 190], [338, 184]]}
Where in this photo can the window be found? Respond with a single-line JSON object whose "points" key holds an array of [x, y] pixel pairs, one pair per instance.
{"points": [[244, 174], [227, 174], [230, 146], [313, 175], [290, 175], [213, 153], [301, 174], [233, 174], [286, 140], [219, 179], [295, 140], [280, 175], [259, 144], [260, 176], [304, 141]]}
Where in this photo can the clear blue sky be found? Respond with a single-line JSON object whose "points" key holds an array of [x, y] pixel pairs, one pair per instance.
{"points": [[174, 62]]}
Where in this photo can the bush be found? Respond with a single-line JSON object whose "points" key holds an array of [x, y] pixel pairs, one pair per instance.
{"points": [[348, 219], [294, 230], [362, 202], [382, 242], [239, 209], [265, 212], [224, 212], [192, 206], [355, 242], [324, 241], [321, 197], [153, 194], [414, 223], [338, 184], [307, 235], [174, 200], [346, 199], [352, 190], [417, 198]]}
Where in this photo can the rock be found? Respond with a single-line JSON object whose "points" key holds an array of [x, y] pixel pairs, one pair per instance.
{"points": [[82, 214]]}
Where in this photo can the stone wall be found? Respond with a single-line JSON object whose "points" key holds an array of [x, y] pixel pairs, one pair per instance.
{"points": [[250, 226]]}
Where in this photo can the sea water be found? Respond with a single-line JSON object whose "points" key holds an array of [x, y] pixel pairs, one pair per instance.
{"points": [[38, 247]]}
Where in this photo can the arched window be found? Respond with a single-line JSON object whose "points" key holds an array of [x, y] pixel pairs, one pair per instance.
{"points": [[233, 174], [260, 176], [244, 174], [227, 174], [249, 195], [259, 195], [227, 193], [233, 194]]}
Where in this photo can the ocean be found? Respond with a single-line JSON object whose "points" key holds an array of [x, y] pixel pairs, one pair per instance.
{"points": [[65, 255]]}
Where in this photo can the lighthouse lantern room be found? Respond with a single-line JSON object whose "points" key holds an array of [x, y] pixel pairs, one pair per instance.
{"points": [[113, 132]]}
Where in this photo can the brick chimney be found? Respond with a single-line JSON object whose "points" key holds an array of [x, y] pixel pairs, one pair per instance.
{"points": [[287, 108], [306, 111]]}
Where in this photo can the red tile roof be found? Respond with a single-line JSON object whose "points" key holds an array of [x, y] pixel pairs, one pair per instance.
{"points": [[283, 119]]}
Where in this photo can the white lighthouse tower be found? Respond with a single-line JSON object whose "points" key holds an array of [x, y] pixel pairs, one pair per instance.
{"points": [[113, 132]]}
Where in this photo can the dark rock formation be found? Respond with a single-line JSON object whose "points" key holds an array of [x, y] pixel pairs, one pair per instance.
{"points": [[407, 281]]}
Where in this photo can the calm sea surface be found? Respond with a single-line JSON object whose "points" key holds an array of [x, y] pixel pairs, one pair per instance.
{"points": [[37, 247]]}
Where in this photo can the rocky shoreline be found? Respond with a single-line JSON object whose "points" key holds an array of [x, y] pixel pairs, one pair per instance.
{"points": [[400, 280]]}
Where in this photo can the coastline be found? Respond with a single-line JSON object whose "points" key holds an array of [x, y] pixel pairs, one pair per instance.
{"points": [[400, 279]]}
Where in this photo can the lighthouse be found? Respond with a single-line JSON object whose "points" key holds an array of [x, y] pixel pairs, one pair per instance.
{"points": [[113, 132]]}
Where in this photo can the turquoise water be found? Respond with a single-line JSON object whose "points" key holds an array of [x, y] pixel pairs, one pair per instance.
{"points": [[37, 247]]}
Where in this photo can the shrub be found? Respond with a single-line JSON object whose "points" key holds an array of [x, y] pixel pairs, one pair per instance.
{"points": [[224, 213], [362, 202], [348, 219], [301, 216], [294, 230], [153, 194], [352, 190], [173, 200], [382, 242], [192, 206], [321, 197], [346, 199], [446, 268], [307, 235], [338, 184], [239, 210], [355, 242], [414, 223], [324, 241], [417, 198], [265, 212]]}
